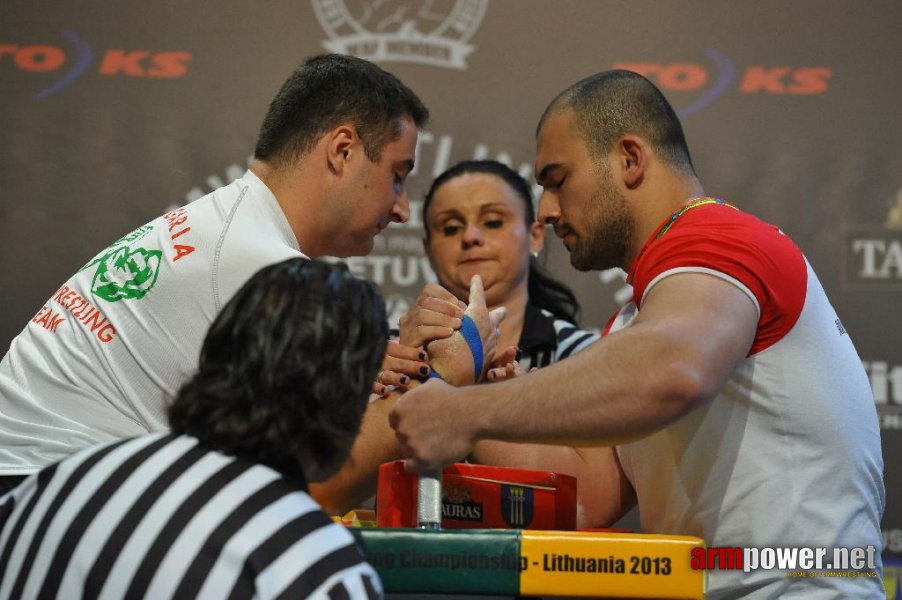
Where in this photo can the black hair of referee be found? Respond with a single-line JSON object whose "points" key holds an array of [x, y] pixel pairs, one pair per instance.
{"points": [[286, 368]]}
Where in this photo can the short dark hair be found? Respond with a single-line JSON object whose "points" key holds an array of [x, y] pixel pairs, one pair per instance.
{"points": [[327, 91], [286, 368], [610, 104], [544, 290]]}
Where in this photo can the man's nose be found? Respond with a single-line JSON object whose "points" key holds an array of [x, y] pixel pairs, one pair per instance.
{"points": [[549, 209], [401, 209]]}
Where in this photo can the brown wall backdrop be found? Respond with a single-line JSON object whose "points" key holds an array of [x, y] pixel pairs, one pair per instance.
{"points": [[112, 113]]}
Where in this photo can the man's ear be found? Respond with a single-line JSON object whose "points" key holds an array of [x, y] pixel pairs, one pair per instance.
{"points": [[633, 157], [536, 237], [341, 142]]}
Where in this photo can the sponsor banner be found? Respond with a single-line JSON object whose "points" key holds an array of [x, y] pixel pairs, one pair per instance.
{"points": [[61, 63], [873, 259], [886, 383], [113, 115], [472, 562], [533, 563], [582, 564]]}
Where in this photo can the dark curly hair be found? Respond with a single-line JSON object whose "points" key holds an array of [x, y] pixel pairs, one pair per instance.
{"points": [[544, 290], [330, 90], [286, 368]]}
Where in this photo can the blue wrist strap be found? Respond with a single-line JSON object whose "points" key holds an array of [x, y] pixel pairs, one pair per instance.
{"points": [[434, 375], [471, 335]]}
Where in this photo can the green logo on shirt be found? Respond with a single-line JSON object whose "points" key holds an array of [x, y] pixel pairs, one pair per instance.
{"points": [[124, 274]]}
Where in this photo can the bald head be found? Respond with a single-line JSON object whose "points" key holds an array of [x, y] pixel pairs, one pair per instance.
{"points": [[611, 104]]}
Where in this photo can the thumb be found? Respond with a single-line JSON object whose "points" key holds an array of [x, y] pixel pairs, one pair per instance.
{"points": [[477, 295], [497, 315]]}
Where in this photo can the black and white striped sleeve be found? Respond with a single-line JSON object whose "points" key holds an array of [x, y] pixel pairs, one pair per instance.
{"points": [[571, 339], [160, 516]]}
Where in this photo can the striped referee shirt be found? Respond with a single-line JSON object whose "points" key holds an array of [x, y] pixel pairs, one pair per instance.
{"points": [[160, 516], [546, 339]]}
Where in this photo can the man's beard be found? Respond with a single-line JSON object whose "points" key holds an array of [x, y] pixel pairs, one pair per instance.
{"points": [[607, 227]]}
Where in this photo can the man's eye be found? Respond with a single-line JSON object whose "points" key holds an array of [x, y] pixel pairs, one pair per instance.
{"points": [[494, 223], [554, 185], [449, 230]]}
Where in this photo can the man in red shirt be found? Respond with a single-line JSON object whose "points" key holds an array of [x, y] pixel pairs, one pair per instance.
{"points": [[726, 399]]}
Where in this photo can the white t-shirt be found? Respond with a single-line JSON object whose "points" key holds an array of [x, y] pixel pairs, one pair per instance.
{"points": [[788, 454], [102, 356]]}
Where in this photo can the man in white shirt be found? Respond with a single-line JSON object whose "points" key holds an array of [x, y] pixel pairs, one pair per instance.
{"points": [[102, 356], [218, 507]]}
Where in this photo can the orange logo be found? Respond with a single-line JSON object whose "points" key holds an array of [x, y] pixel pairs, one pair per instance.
{"points": [[690, 77], [78, 57], [714, 80]]}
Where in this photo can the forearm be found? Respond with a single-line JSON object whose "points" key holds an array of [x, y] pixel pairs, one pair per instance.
{"points": [[677, 354], [357, 480], [605, 395], [603, 492]]}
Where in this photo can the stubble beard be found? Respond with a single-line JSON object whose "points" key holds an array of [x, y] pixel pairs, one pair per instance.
{"points": [[608, 227]]}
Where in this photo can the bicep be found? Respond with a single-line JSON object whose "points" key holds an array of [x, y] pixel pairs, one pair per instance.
{"points": [[709, 324]]}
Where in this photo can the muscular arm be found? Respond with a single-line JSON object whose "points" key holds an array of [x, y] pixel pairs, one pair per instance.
{"points": [[603, 492], [692, 332], [375, 444]]}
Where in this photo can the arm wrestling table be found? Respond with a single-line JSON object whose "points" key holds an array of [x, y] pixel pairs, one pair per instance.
{"points": [[498, 562], [522, 541]]}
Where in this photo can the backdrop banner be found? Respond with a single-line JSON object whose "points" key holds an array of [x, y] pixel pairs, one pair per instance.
{"points": [[114, 113]]}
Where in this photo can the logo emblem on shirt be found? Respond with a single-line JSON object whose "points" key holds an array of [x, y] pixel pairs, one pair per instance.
{"points": [[125, 274], [429, 32]]}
